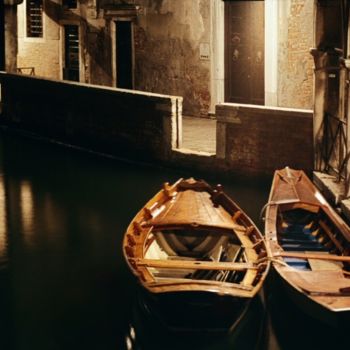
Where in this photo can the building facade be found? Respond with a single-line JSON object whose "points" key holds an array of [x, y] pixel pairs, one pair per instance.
{"points": [[208, 51]]}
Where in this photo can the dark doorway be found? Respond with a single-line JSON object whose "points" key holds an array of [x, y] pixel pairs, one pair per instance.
{"points": [[2, 35], [71, 53], [244, 52], [124, 54]]}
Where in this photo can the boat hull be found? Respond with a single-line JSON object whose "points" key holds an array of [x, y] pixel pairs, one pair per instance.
{"points": [[196, 310], [296, 324], [308, 306], [152, 330], [191, 238], [309, 245]]}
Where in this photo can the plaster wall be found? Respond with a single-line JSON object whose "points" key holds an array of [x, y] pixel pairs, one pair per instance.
{"points": [[168, 39], [295, 64], [176, 52], [46, 54], [10, 40], [41, 53]]}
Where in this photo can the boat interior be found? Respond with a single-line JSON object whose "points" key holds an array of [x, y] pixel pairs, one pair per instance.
{"points": [[311, 232], [190, 249]]}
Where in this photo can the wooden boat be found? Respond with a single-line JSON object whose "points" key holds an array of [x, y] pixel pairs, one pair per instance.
{"points": [[309, 245], [194, 251]]}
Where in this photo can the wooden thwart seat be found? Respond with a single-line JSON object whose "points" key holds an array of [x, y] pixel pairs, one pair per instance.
{"points": [[198, 265]]}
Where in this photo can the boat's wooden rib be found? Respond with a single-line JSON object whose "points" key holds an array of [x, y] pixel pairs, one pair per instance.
{"points": [[243, 289], [328, 257], [192, 238], [308, 243]]}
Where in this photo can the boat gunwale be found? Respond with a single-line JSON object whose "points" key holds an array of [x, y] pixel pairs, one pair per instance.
{"points": [[197, 285], [276, 252]]}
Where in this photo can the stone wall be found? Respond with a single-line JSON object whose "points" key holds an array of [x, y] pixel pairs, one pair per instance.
{"points": [[251, 141], [167, 51], [174, 47], [259, 140], [130, 124], [295, 64], [46, 54]]}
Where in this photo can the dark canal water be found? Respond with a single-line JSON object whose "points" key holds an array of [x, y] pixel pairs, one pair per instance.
{"points": [[63, 280]]}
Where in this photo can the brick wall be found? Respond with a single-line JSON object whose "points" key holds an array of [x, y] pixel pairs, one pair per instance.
{"points": [[130, 124], [41, 53], [258, 140]]}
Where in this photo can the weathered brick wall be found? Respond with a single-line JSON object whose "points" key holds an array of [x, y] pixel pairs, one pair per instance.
{"points": [[258, 140], [295, 64], [41, 53], [119, 122], [46, 54], [167, 41]]}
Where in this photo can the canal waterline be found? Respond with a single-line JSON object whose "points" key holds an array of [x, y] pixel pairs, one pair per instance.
{"points": [[64, 282]]}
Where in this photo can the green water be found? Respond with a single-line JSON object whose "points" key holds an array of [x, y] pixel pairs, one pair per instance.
{"points": [[63, 281]]}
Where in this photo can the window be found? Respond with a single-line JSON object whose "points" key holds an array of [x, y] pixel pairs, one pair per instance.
{"points": [[35, 18]]}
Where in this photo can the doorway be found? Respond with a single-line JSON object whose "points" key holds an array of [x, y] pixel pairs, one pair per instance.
{"points": [[124, 55], [244, 52]]}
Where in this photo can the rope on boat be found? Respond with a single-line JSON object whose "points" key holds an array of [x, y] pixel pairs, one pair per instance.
{"points": [[273, 260], [284, 201]]}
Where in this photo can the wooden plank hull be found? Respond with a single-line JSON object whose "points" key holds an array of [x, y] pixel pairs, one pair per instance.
{"points": [[153, 329], [191, 242], [309, 245]]}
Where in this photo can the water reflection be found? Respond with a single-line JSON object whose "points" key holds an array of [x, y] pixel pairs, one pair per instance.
{"points": [[70, 287], [148, 332], [26, 204], [3, 231], [62, 221]]}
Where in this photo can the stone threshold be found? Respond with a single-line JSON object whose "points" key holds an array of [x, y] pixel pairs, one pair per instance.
{"points": [[189, 151], [334, 192]]}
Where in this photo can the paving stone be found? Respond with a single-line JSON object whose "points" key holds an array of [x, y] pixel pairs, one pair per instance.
{"points": [[199, 134]]}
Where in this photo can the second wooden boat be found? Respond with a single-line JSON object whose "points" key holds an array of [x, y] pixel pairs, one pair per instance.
{"points": [[196, 254], [309, 245]]}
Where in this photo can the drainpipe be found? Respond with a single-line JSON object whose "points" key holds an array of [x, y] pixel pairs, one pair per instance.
{"points": [[10, 34]]}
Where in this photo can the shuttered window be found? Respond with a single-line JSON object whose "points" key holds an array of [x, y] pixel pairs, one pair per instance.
{"points": [[71, 46], [35, 18]]}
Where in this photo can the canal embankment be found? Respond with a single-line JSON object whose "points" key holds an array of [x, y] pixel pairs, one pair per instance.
{"points": [[140, 126]]}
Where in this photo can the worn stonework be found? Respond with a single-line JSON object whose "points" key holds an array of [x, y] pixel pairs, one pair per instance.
{"points": [[174, 47], [258, 140], [167, 56], [71, 113], [295, 64], [10, 44], [98, 50], [46, 54]]}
